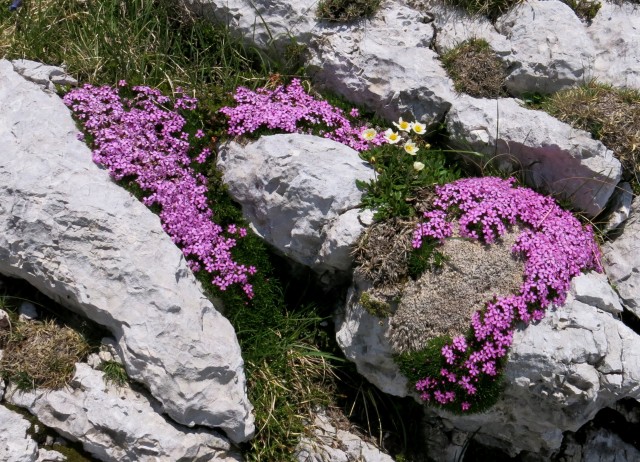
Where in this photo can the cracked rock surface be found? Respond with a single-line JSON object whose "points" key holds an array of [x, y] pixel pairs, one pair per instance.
{"points": [[82, 240], [299, 193], [118, 423]]}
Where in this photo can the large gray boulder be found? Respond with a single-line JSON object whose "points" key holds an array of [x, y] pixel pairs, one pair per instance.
{"points": [[331, 442], [384, 63], [118, 423], [544, 57], [615, 33], [622, 260], [270, 24], [299, 193], [15, 443], [561, 372], [552, 155], [76, 236]]}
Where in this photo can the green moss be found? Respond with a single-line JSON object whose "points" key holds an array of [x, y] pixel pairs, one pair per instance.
{"points": [[429, 361], [426, 257], [374, 306]]}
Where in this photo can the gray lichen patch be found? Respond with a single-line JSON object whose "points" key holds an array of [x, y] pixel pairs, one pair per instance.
{"points": [[442, 302]]}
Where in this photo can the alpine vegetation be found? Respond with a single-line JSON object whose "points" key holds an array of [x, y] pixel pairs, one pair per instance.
{"points": [[142, 138], [482, 209]]}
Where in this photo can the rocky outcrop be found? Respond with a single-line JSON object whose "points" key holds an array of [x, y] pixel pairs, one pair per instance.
{"points": [[331, 444], [561, 372], [543, 57], [539, 54], [269, 24], [299, 193], [15, 444], [615, 33], [553, 156], [76, 236], [385, 64], [622, 260], [46, 76], [118, 423]]}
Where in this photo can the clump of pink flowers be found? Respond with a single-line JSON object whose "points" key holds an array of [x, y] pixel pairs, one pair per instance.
{"points": [[142, 138], [555, 247], [291, 109]]}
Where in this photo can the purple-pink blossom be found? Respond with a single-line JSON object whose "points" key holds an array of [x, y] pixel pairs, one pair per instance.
{"points": [[141, 138], [291, 109], [555, 247]]}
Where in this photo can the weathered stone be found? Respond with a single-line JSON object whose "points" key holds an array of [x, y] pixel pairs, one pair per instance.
{"points": [[620, 206], [544, 58], [454, 26], [622, 260], [384, 63], [560, 373], [299, 193], [593, 289], [363, 338], [553, 156], [15, 444], [329, 444], [615, 33], [76, 236], [267, 23], [45, 455], [600, 445], [118, 423], [42, 74]]}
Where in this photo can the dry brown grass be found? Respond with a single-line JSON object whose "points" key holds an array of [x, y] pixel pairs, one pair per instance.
{"points": [[41, 353], [475, 69], [611, 115], [381, 254]]}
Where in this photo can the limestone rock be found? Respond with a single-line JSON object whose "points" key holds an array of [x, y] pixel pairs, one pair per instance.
{"points": [[299, 193], [76, 236], [267, 23], [42, 74], [15, 444], [560, 373], [593, 289], [329, 444], [554, 156], [119, 424], [622, 260], [620, 206], [384, 63], [544, 58], [615, 33], [45, 455], [454, 26], [364, 339], [601, 445]]}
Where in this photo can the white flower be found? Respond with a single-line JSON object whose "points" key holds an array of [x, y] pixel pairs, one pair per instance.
{"points": [[419, 128], [368, 135], [391, 136], [418, 166], [403, 125], [411, 148]]}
